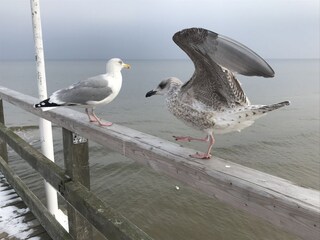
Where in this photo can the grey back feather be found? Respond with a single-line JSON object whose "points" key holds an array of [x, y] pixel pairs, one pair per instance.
{"points": [[92, 89]]}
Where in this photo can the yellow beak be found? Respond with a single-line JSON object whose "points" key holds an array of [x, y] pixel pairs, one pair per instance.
{"points": [[126, 66]]}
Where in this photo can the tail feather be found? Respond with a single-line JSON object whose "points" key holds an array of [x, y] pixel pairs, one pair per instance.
{"points": [[46, 103], [275, 106]]}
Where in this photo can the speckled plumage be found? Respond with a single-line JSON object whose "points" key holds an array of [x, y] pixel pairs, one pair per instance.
{"points": [[213, 100], [199, 116], [195, 117]]}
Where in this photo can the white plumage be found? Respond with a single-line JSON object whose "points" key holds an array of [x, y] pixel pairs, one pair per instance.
{"points": [[91, 92]]}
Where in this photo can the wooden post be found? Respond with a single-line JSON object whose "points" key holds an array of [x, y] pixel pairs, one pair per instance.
{"points": [[76, 160], [3, 145]]}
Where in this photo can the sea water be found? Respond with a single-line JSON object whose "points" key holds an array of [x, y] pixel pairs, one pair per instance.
{"points": [[284, 143]]}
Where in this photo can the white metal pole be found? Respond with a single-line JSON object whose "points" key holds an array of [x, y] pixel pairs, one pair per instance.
{"points": [[44, 125]]}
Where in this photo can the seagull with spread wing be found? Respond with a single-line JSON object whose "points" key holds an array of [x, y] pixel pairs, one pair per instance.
{"points": [[213, 100]]}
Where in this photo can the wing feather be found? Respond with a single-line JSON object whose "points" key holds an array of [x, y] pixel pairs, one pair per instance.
{"points": [[216, 59], [92, 89]]}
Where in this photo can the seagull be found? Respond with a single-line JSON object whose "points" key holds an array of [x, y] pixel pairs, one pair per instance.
{"points": [[89, 93], [212, 100]]}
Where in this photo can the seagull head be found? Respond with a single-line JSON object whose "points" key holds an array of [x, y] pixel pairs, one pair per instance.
{"points": [[116, 64], [165, 86]]}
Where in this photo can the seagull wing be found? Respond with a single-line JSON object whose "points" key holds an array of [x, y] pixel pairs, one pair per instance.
{"points": [[216, 59], [91, 89]]}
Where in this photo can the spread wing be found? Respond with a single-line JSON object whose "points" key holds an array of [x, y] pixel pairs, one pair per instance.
{"points": [[216, 58]]}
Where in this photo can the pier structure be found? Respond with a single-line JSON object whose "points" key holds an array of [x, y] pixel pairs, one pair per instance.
{"points": [[286, 205]]}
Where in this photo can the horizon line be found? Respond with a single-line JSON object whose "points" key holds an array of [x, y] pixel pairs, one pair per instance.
{"points": [[145, 59]]}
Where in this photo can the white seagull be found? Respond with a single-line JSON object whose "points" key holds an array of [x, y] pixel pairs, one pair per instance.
{"points": [[213, 100], [89, 93]]}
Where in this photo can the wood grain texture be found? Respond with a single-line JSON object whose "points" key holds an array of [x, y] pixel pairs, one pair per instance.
{"points": [[3, 145], [18, 215], [76, 161], [281, 202], [103, 217], [54, 174], [54, 229]]}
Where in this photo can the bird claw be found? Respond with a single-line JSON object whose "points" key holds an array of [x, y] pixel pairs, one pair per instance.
{"points": [[182, 139], [105, 124], [201, 155]]}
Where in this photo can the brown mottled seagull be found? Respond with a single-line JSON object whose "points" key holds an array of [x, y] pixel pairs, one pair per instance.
{"points": [[213, 100]]}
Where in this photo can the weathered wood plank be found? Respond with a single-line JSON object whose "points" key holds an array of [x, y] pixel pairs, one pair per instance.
{"points": [[3, 145], [54, 174], [54, 229], [19, 220], [291, 207], [95, 205], [76, 161]]}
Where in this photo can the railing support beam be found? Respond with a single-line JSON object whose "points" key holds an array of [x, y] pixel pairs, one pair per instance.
{"points": [[76, 160], [54, 229], [3, 145]]}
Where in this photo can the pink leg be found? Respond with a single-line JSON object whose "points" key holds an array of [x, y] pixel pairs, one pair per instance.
{"points": [[189, 139], [205, 155], [91, 118], [107, 124]]}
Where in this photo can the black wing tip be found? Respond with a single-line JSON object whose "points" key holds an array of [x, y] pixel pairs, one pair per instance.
{"points": [[268, 73], [46, 103], [272, 73]]}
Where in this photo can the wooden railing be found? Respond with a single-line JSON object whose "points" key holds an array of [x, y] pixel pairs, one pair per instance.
{"points": [[286, 205], [73, 184]]}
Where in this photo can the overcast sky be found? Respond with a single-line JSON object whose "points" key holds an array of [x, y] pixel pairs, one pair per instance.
{"points": [[143, 29]]}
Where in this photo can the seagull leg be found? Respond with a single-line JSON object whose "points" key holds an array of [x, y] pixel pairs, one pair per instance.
{"points": [[205, 155], [107, 124], [91, 118], [189, 139]]}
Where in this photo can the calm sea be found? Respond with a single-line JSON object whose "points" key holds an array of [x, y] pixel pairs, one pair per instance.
{"points": [[284, 143]]}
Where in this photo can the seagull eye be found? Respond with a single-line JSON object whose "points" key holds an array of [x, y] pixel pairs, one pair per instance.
{"points": [[162, 85], [120, 62]]}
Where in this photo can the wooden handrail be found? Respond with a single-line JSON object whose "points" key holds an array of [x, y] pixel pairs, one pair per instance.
{"points": [[103, 217], [281, 202], [54, 229], [53, 173]]}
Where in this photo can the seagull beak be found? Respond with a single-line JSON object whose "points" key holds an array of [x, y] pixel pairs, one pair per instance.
{"points": [[127, 66], [151, 93]]}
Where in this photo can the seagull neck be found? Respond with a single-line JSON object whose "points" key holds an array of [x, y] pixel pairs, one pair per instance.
{"points": [[114, 72], [173, 89]]}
